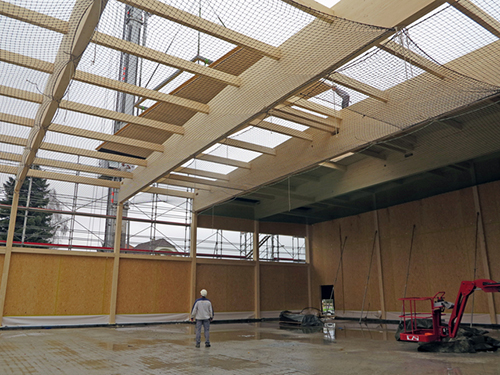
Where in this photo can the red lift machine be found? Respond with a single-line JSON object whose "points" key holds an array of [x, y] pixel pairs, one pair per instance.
{"points": [[410, 316]]}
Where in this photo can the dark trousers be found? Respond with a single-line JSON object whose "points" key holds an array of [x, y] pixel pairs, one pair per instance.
{"points": [[206, 328]]}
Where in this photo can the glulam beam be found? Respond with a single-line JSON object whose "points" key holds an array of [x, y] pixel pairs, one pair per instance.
{"points": [[90, 110], [225, 161], [281, 129], [412, 58], [74, 151], [248, 146], [358, 86], [63, 177], [69, 166], [84, 133], [33, 18], [478, 15]]}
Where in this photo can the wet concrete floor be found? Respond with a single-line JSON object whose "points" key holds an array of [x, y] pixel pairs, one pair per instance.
{"points": [[243, 348]]}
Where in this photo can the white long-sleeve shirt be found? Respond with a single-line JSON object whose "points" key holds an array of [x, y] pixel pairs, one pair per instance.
{"points": [[202, 309]]}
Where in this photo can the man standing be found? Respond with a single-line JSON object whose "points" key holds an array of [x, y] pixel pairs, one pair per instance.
{"points": [[203, 313]]}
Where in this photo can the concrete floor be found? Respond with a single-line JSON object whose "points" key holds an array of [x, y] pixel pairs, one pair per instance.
{"points": [[257, 348]]}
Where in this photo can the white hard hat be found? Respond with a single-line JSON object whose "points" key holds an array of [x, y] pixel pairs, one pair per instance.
{"points": [[203, 292]]}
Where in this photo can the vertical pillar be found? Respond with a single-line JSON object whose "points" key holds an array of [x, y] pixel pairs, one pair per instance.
{"points": [[257, 269], [309, 261], [116, 263], [483, 249], [192, 252], [8, 252], [379, 267]]}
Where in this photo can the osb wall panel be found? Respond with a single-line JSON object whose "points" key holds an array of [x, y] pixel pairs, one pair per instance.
{"points": [[58, 285], [359, 262], [443, 252], [325, 263], [149, 286], [283, 287], [230, 288], [349, 276]]}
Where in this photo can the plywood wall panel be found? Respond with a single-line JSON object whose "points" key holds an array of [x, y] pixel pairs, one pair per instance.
{"points": [[230, 288], [149, 286], [84, 286], [324, 265], [58, 285], [32, 285], [272, 284], [283, 287]]}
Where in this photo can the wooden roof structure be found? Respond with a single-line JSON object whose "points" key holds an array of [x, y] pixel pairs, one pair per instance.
{"points": [[251, 84]]}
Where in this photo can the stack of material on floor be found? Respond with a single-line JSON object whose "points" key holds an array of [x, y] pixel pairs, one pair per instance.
{"points": [[468, 340], [303, 319]]}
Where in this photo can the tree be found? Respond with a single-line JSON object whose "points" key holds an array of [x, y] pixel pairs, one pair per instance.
{"points": [[38, 224]]}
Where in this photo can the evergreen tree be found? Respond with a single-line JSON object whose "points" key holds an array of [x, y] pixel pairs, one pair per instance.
{"points": [[38, 224]]}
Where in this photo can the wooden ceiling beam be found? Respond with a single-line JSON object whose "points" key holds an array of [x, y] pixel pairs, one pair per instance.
{"points": [[84, 133], [225, 161], [33, 18], [190, 185], [201, 173], [413, 58], [91, 110], [478, 15], [217, 183], [75, 151], [358, 86], [248, 146], [187, 19], [168, 192], [63, 177], [291, 116], [281, 129], [332, 165], [312, 106], [69, 166], [331, 122]]}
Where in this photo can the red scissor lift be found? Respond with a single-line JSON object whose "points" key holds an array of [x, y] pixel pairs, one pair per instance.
{"points": [[412, 331]]}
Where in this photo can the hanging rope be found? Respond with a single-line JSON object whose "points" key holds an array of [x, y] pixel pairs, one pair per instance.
{"points": [[409, 260], [475, 267], [368, 277]]}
